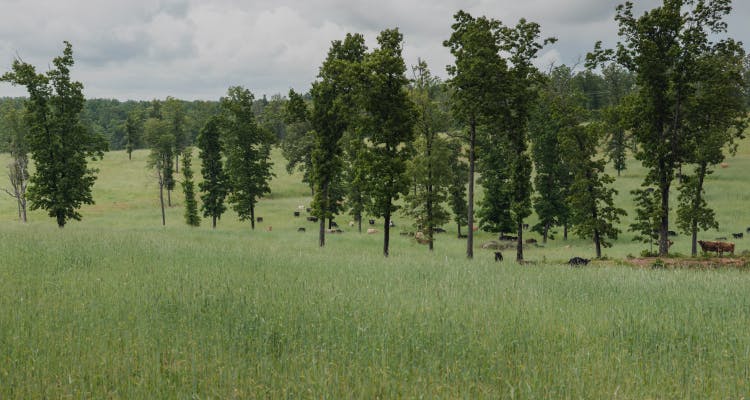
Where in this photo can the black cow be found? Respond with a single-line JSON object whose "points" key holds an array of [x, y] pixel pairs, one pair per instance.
{"points": [[498, 256], [300, 229], [308, 209], [438, 230], [259, 219], [333, 224], [312, 219], [748, 230], [738, 235], [578, 261], [296, 213], [525, 226], [372, 222], [671, 233]]}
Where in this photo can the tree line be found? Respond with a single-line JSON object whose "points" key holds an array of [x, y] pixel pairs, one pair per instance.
{"points": [[373, 136]]}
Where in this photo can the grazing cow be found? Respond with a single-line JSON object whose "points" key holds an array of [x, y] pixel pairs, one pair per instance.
{"points": [[308, 209], [269, 228], [462, 236], [748, 230], [507, 237], [525, 227], [351, 223], [296, 213], [578, 261], [300, 207], [474, 228], [530, 241], [334, 224], [421, 238], [300, 229], [671, 233], [312, 219], [724, 165], [498, 256], [391, 224], [738, 235], [405, 233], [371, 231], [649, 190], [718, 247], [372, 222], [438, 230], [259, 219]]}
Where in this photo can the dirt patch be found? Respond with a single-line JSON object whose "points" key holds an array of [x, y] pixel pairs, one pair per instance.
{"points": [[702, 263]]}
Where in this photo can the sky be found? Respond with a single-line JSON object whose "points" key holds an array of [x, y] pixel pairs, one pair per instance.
{"points": [[196, 49]]}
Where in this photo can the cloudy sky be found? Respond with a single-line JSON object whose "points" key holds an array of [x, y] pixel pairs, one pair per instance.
{"points": [[196, 49]]}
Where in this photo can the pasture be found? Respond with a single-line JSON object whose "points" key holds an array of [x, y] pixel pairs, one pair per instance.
{"points": [[117, 306]]}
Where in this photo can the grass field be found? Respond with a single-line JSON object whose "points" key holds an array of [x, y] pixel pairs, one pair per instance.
{"points": [[117, 306]]}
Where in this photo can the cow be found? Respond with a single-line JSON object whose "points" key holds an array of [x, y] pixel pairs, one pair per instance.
{"points": [[531, 241], [312, 219], [391, 224], [269, 228], [718, 247], [300, 229], [333, 224], [748, 230], [507, 237], [438, 230], [462, 236], [308, 209], [351, 223], [671, 233], [371, 231], [738, 235], [578, 261], [296, 213], [498, 256], [420, 238], [525, 227], [259, 219], [372, 222]]}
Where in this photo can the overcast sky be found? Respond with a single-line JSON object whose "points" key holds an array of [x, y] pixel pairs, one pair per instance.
{"points": [[196, 49]]}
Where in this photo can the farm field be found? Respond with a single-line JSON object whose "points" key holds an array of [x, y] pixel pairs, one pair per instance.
{"points": [[117, 306]]}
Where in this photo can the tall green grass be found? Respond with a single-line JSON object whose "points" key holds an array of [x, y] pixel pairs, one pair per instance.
{"points": [[116, 306]]}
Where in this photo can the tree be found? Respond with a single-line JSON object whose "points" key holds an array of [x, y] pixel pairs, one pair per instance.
{"points": [[214, 187], [521, 43], [663, 48], [428, 168], [248, 151], [333, 99], [647, 219], [477, 83], [133, 131], [298, 142], [619, 83], [58, 142], [457, 187], [188, 188], [159, 138], [558, 108], [593, 213], [391, 115], [15, 131], [716, 119]]}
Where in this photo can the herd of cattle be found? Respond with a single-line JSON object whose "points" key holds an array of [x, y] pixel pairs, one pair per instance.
{"points": [[719, 246]]}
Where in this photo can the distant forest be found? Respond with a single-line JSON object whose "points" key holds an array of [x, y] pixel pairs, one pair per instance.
{"points": [[107, 116]]}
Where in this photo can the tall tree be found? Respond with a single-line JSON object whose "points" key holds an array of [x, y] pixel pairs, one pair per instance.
{"points": [[477, 82], [215, 185], [14, 130], [248, 150], [188, 188], [593, 212], [558, 108], [618, 83], [174, 113], [333, 97], [663, 48], [298, 142], [159, 138], [58, 142], [428, 167], [457, 187], [133, 131], [716, 119], [391, 115], [522, 45]]}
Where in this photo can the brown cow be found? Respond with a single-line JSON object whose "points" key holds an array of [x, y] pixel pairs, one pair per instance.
{"points": [[718, 247]]}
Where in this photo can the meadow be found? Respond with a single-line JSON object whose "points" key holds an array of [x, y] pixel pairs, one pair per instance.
{"points": [[117, 306]]}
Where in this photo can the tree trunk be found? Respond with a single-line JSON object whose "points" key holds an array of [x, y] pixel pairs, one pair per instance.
{"points": [[161, 201], [694, 240], [359, 222], [696, 204], [470, 234], [519, 243], [252, 217], [177, 162], [565, 231], [664, 211], [169, 198], [386, 233], [322, 233], [213, 222], [545, 233], [130, 155], [459, 230], [597, 244]]}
